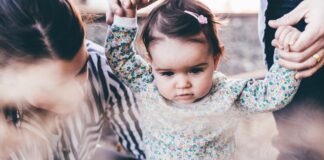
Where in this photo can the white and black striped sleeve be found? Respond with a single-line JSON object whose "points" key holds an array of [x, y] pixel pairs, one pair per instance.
{"points": [[120, 104]]}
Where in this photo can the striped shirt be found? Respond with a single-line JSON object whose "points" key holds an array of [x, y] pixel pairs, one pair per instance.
{"points": [[108, 101]]}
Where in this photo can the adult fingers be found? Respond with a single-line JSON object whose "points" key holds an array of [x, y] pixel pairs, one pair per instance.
{"points": [[307, 64], [307, 37], [309, 72], [290, 18], [299, 57], [297, 66]]}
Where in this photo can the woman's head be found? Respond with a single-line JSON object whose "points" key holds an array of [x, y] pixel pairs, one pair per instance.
{"points": [[37, 29], [180, 37], [45, 41], [34, 30]]}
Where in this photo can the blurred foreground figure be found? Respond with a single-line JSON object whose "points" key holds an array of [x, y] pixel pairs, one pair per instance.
{"points": [[56, 90]]}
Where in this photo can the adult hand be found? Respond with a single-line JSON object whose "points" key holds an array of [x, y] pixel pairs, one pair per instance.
{"points": [[124, 8], [305, 68], [308, 47]]}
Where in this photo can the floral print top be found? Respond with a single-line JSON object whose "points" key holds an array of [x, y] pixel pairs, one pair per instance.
{"points": [[201, 130]]}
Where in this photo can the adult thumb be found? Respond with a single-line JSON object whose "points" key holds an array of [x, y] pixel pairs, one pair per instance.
{"points": [[290, 18], [308, 37]]}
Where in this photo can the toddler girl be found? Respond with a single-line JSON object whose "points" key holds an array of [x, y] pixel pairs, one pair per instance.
{"points": [[188, 110]]}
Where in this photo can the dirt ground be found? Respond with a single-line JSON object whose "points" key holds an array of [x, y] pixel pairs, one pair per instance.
{"points": [[254, 136]]}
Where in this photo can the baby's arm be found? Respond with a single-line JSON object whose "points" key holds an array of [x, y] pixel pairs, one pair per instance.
{"points": [[128, 66], [275, 91]]}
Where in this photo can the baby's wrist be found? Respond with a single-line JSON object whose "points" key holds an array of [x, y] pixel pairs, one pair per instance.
{"points": [[126, 22]]}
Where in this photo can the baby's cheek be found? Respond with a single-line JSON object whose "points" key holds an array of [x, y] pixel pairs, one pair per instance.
{"points": [[204, 85], [164, 87]]}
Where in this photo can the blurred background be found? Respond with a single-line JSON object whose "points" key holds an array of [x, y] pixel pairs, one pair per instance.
{"points": [[243, 58]]}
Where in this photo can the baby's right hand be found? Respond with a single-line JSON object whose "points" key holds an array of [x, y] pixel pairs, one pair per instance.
{"points": [[285, 37], [124, 8]]}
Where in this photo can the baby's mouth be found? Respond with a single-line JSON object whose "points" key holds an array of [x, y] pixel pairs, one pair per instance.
{"points": [[184, 96]]}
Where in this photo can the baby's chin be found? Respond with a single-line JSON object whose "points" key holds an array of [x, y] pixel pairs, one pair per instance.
{"points": [[180, 101], [184, 101], [191, 101], [187, 101]]}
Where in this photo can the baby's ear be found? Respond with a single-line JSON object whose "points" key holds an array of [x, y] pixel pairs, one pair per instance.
{"points": [[222, 49], [216, 61], [217, 56], [147, 58]]}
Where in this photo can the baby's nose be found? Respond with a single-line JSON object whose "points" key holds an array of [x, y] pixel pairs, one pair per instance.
{"points": [[183, 82]]}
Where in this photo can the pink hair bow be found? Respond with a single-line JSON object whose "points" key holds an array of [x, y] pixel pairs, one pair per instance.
{"points": [[201, 18]]}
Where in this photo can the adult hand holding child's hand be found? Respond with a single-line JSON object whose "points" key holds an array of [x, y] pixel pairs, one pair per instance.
{"points": [[310, 44]]}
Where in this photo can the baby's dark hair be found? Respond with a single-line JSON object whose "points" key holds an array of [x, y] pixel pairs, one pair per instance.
{"points": [[170, 19], [36, 29]]}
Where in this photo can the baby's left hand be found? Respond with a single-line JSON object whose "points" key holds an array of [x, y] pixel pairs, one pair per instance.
{"points": [[285, 37]]}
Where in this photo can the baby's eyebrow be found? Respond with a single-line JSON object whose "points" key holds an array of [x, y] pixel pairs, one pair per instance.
{"points": [[196, 39], [169, 70], [162, 69], [200, 65]]}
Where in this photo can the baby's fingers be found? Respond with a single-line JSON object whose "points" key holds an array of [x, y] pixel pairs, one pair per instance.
{"points": [[291, 38], [117, 8], [284, 37], [275, 43], [294, 36], [129, 8], [114, 8], [128, 4]]}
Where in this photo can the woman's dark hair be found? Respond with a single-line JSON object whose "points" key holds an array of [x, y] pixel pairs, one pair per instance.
{"points": [[32, 30], [170, 19], [36, 29]]}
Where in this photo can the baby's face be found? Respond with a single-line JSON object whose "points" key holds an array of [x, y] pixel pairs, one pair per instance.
{"points": [[183, 70]]}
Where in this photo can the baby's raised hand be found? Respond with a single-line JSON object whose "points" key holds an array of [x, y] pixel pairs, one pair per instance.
{"points": [[285, 37], [124, 8]]}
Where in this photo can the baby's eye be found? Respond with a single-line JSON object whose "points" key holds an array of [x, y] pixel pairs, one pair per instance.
{"points": [[168, 74], [196, 70]]}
